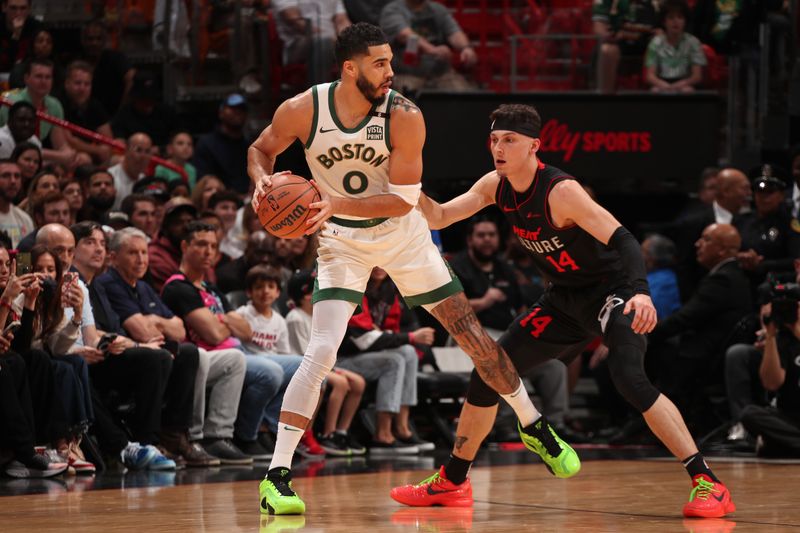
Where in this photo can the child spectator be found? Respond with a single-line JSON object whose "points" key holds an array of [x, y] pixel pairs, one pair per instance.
{"points": [[674, 59], [179, 151], [269, 339], [346, 386], [270, 335]]}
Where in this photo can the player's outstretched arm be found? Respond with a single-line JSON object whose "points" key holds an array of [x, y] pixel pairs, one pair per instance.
{"points": [[480, 195], [292, 120], [569, 203]]}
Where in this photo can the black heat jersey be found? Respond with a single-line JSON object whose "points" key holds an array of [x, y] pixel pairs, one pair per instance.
{"points": [[569, 256]]}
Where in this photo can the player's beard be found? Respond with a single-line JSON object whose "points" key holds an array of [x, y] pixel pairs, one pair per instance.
{"points": [[369, 91]]}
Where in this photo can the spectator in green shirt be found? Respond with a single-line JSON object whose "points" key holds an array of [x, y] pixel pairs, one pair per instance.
{"points": [[38, 84], [674, 59], [179, 151]]}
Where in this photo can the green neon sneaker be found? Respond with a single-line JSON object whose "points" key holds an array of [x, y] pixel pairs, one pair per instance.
{"points": [[277, 496], [558, 456]]}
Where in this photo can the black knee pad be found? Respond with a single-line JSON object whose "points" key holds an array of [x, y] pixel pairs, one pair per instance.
{"points": [[479, 393], [626, 366]]}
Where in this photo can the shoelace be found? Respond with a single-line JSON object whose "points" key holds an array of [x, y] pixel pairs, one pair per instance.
{"points": [[702, 491], [435, 479]]}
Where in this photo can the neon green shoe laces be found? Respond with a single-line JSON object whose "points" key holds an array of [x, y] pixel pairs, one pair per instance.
{"points": [[702, 491]]}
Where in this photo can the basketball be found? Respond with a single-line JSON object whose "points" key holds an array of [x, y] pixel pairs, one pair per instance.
{"points": [[284, 210]]}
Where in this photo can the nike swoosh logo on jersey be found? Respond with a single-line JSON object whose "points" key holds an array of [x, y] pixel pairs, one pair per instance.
{"points": [[321, 130]]}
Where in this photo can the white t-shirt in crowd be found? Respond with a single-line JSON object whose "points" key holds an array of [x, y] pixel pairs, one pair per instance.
{"points": [[17, 223], [319, 12], [123, 183], [7, 142], [298, 322], [269, 334]]}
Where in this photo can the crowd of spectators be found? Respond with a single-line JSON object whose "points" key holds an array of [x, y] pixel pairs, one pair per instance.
{"points": [[671, 40], [153, 315]]}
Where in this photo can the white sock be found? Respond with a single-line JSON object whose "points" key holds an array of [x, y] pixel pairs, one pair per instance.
{"points": [[522, 405], [285, 444]]}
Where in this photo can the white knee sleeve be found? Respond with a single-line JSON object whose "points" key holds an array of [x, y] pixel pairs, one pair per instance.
{"points": [[328, 327]]}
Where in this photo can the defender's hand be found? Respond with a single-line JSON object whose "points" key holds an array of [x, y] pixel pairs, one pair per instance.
{"points": [[644, 314]]}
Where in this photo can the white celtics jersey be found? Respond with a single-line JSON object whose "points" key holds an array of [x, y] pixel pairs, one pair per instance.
{"points": [[349, 162]]}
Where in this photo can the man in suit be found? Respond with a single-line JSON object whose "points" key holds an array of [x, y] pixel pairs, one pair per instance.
{"points": [[733, 195], [706, 321]]}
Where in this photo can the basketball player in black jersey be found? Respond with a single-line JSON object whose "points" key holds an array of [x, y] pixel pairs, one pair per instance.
{"points": [[597, 287]]}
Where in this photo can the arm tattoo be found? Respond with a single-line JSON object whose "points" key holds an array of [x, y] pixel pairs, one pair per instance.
{"points": [[460, 441], [491, 362], [405, 103]]}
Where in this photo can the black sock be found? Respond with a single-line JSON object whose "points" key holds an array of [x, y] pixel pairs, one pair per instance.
{"points": [[695, 465], [457, 469]]}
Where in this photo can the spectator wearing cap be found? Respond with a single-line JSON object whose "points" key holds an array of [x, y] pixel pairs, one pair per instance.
{"points": [[99, 192], [144, 112], [141, 212], [52, 208], [165, 250], [17, 29], [38, 86], [113, 74], [225, 204], [180, 150], [157, 189], [21, 127], [223, 152], [81, 108], [769, 244], [132, 166]]}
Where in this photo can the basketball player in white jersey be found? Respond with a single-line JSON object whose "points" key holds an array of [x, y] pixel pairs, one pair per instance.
{"points": [[363, 144]]}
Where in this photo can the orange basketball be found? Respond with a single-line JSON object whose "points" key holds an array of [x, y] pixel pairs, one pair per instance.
{"points": [[284, 210]]}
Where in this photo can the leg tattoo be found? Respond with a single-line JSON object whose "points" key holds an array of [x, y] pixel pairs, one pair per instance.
{"points": [[491, 361]]}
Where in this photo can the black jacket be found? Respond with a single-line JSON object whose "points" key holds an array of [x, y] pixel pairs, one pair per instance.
{"points": [[706, 322]]}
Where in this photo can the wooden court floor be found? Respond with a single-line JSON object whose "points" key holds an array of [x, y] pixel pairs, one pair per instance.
{"points": [[631, 496]]}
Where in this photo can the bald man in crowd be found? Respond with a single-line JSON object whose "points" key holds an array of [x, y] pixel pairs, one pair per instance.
{"points": [[132, 167], [706, 320], [732, 198]]}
